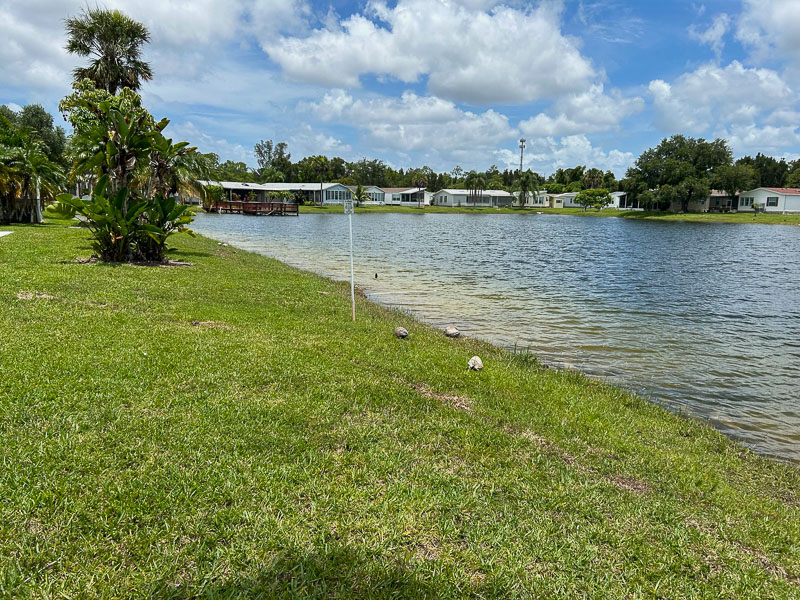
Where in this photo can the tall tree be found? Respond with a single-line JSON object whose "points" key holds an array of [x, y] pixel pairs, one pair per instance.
{"points": [[733, 179], [113, 42], [592, 179], [681, 162]]}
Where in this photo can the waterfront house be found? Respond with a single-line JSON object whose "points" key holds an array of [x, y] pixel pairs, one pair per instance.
{"points": [[533, 199], [774, 200], [484, 198], [376, 194], [568, 200], [406, 196], [238, 191]]}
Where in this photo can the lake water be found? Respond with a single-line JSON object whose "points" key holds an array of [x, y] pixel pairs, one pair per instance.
{"points": [[701, 317]]}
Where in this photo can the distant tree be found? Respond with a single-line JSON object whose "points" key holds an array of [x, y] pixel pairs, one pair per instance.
{"points": [[770, 172], [554, 188], [610, 182], [575, 186], [527, 184], [684, 163], [360, 195], [793, 178], [734, 179], [39, 123], [598, 198], [592, 179], [263, 153], [113, 41], [420, 183], [234, 171], [457, 172]]}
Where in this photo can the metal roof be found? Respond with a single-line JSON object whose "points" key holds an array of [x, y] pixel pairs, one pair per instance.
{"points": [[461, 192], [270, 187]]}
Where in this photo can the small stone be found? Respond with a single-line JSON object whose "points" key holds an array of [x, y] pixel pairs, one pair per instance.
{"points": [[401, 332], [475, 363], [452, 332]]}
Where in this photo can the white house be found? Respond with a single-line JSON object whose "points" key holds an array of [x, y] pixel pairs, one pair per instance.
{"points": [[486, 198], [538, 199], [568, 199], [406, 196], [376, 194], [774, 200]]}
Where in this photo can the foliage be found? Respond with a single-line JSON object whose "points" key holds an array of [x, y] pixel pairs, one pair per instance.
{"points": [[213, 195], [112, 218], [114, 41], [598, 198], [733, 179], [681, 162], [554, 188], [27, 176], [140, 174], [39, 123], [769, 171], [592, 179]]}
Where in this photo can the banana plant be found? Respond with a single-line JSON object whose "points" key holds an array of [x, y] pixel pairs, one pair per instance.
{"points": [[113, 219], [163, 218]]}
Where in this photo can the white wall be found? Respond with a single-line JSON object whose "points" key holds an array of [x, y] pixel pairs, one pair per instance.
{"points": [[786, 202]]}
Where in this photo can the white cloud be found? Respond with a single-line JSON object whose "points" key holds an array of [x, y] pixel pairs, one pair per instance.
{"points": [[769, 29], [712, 97], [206, 143], [307, 142], [714, 35], [585, 112], [546, 155], [515, 55], [417, 123]]}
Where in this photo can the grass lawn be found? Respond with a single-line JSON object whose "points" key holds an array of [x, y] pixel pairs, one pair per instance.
{"points": [[765, 219], [223, 430]]}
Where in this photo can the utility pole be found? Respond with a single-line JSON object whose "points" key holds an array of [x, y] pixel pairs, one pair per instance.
{"points": [[521, 150]]}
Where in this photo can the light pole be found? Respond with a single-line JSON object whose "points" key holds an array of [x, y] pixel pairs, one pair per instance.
{"points": [[521, 150]]}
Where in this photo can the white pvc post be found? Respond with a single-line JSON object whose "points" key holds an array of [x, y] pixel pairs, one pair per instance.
{"points": [[352, 277]]}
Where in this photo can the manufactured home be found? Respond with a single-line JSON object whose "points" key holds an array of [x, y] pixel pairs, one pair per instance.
{"points": [[774, 200], [483, 198]]}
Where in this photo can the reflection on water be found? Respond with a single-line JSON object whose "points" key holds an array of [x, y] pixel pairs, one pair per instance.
{"points": [[701, 316]]}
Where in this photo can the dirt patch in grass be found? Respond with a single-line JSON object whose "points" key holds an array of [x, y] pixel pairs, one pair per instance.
{"points": [[34, 295], [457, 402], [630, 484], [211, 324], [136, 263], [545, 444]]}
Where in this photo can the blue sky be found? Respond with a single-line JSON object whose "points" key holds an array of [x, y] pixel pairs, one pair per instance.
{"points": [[440, 82]]}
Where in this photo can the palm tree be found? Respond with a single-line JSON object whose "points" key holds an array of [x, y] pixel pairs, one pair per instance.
{"points": [[35, 176], [360, 195], [113, 41], [480, 185], [420, 183], [469, 181], [525, 184]]}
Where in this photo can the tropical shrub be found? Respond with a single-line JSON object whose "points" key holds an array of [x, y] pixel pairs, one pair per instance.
{"points": [[133, 209]]}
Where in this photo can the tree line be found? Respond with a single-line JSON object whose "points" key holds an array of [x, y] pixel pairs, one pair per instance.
{"points": [[677, 171]]}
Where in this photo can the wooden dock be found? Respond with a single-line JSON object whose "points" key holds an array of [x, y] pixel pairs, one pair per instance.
{"points": [[265, 209]]}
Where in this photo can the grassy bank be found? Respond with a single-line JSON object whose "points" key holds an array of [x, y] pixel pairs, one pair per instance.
{"points": [[765, 219], [223, 430]]}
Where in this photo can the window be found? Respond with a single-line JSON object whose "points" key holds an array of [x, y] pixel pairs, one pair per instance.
{"points": [[772, 201]]}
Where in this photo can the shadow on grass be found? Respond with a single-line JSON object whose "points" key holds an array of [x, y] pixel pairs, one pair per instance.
{"points": [[335, 572]]}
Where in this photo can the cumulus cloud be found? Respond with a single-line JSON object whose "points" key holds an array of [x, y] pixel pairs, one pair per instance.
{"points": [[714, 35], [769, 29], [416, 123], [585, 112], [548, 154], [307, 142], [515, 55], [710, 96]]}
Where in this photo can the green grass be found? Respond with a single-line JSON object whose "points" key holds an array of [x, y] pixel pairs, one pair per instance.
{"points": [[275, 449], [765, 219]]}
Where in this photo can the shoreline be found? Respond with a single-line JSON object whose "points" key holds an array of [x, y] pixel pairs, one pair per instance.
{"points": [[734, 218], [555, 363], [248, 437]]}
